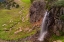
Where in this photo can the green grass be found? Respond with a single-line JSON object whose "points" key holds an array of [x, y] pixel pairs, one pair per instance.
{"points": [[54, 38], [15, 17], [26, 1]]}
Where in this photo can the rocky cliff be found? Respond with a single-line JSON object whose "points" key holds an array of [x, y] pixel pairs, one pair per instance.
{"points": [[37, 11], [58, 26], [57, 12], [56, 16]]}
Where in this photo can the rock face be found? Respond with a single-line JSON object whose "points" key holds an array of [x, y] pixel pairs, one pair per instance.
{"points": [[55, 22], [36, 11], [58, 23]]}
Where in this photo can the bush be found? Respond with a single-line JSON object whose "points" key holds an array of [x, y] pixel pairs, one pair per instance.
{"points": [[59, 3], [17, 6]]}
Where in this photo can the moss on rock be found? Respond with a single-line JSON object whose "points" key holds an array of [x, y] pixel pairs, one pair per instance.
{"points": [[59, 3]]}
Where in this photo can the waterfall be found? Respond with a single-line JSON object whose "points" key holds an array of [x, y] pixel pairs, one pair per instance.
{"points": [[44, 27]]}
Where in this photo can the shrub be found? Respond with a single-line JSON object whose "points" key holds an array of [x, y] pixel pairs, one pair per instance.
{"points": [[17, 6], [59, 3]]}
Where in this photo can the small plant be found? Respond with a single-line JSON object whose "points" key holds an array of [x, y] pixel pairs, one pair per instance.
{"points": [[62, 17], [59, 3], [17, 6]]}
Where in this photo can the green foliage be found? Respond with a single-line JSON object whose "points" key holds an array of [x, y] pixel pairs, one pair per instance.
{"points": [[59, 3], [62, 17], [54, 3], [54, 38], [49, 0], [8, 4], [26, 1]]}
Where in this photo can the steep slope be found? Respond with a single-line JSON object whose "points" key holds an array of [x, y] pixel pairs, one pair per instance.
{"points": [[14, 23]]}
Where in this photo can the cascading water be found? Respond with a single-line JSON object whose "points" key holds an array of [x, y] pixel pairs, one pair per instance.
{"points": [[44, 27]]}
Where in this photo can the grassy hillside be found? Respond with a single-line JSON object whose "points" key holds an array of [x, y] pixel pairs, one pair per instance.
{"points": [[15, 22], [26, 1]]}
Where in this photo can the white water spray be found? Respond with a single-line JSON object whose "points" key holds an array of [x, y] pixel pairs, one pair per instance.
{"points": [[43, 31]]}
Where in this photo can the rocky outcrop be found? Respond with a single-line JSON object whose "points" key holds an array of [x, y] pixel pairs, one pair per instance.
{"points": [[37, 10], [58, 27], [55, 18]]}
